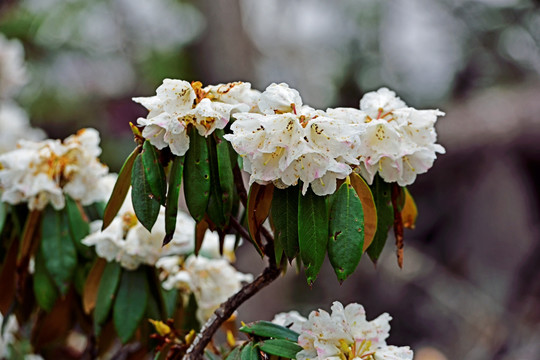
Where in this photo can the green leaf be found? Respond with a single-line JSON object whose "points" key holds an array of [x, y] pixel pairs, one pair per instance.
{"points": [[190, 321], [346, 231], [269, 330], [284, 214], [235, 354], [197, 176], [215, 202], [250, 352], [155, 175], [59, 252], [3, 215], [282, 348], [385, 216], [312, 232], [107, 291], [78, 227], [120, 190], [145, 204], [171, 206], [226, 177], [130, 304], [44, 288]]}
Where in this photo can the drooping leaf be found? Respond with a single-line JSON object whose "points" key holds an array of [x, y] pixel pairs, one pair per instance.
{"points": [[200, 231], [197, 176], [78, 226], [268, 329], [226, 177], [120, 190], [155, 175], [398, 222], [171, 206], [28, 238], [107, 291], [346, 227], [409, 212], [282, 348], [258, 209], [91, 286], [55, 325], [190, 321], [385, 216], [45, 290], [284, 214], [3, 215], [60, 255], [8, 275], [250, 352], [312, 232], [368, 207], [145, 204], [156, 293], [130, 303], [215, 201]]}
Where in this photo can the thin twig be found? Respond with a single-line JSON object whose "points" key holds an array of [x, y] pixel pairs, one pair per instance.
{"points": [[196, 350], [239, 228]]}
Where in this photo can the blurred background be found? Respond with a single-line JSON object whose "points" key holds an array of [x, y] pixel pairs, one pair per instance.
{"points": [[470, 287]]}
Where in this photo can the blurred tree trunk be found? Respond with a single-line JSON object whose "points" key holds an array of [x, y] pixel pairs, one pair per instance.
{"points": [[225, 51]]}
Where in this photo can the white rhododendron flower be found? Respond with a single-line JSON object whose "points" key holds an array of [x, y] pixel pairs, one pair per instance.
{"points": [[236, 93], [292, 320], [42, 172], [398, 142], [291, 142], [12, 69], [15, 126], [179, 105], [212, 281], [346, 334]]}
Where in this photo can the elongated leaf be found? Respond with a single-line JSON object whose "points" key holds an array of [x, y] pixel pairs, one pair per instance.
{"points": [[59, 252], [385, 216], [78, 226], [146, 206], [155, 175], [346, 226], [107, 291], [397, 193], [269, 330], [226, 177], [3, 215], [91, 286], [368, 207], [250, 352], [197, 176], [409, 212], [120, 190], [8, 274], [284, 214], [312, 232], [171, 206], [215, 201], [200, 231], [130, 304], [258, 209], [44, 288], [282, 348], [28, 238]]}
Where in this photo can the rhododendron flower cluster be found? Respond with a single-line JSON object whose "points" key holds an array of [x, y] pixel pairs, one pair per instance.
{"points": [[343, 334], [179, 105], [42, 172], [398, 142], [291, 142], [212, 281]]}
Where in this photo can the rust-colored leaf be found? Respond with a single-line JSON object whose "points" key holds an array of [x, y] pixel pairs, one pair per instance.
{"points": [[7, 278], [258, 209], [398, 224], [368, 206], [54, 325], [200, 230], [28, 237], [91, 285], [409, 211]]}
